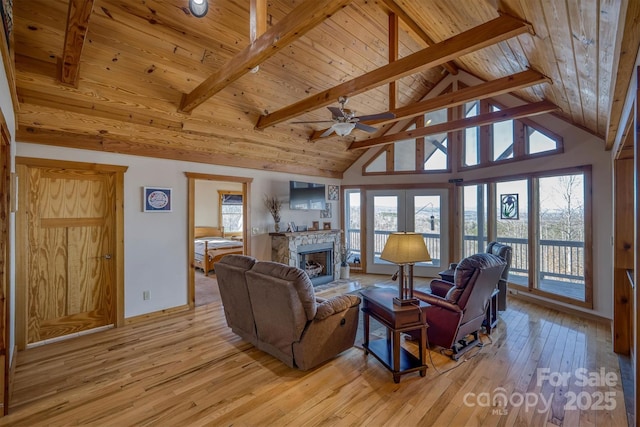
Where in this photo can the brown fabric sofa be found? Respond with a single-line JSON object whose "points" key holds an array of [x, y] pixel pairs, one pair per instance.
{"points": [[274, 307]]}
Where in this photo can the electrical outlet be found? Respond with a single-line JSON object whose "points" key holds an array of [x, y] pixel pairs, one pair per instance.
{"points": [[146, 295]]}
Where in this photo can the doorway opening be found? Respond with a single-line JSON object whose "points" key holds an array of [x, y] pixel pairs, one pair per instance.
{"points": [[218, 226]]}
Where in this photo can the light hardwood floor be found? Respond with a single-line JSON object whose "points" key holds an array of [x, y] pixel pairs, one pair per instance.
{"points": [[190, 369]]}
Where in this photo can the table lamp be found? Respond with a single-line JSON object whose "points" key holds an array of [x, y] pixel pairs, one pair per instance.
{"points": [[405, 249]]}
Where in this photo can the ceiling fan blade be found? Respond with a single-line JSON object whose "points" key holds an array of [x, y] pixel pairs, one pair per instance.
{"points": [[316, 121], [327, 132], [337, 112], [379, 116], [366, 128]]}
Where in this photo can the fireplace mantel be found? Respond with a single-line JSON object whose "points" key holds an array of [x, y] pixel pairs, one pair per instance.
{"points": [[302, 233], [284, 246]]}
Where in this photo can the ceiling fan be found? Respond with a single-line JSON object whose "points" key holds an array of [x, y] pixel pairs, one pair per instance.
{"points": [[345, 120]]}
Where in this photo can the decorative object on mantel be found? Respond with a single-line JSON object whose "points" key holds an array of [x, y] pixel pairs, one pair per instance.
{"points": [[315, 225], [405, 249], [326, 226], [274, 205], [292, 226], [326, 213]]}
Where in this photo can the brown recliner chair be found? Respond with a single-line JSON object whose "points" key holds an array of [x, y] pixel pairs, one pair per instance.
{"points": [[458, 309], [274, 306], [504, 252]]}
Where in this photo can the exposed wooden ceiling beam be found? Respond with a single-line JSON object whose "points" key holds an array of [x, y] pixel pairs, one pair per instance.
{"points": [[118, 144], [397, 10], [494, 31], [257, 19], [513, 113], [77, 26], [481, 91], [303, 18]]}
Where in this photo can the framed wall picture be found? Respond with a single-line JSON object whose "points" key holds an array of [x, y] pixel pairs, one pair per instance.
{"points": [[156, 199], [326, 213], [333, 192], [509, 208]]}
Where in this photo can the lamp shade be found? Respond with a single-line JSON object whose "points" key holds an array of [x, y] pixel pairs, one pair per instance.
{"points": [[405, 248], [343, 129]]}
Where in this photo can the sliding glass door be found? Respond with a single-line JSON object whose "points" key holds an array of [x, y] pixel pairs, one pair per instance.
{"points": [[422, 211]]}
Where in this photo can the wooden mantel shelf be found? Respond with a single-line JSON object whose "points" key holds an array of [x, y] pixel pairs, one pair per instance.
{"points": [[301, 233]]}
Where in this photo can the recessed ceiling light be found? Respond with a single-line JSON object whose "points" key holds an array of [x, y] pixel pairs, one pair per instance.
{"points": [[198, 8]]}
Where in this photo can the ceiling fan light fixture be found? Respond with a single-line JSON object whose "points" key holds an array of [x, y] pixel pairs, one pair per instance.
{"points": [[343, 129], [199, 8]]}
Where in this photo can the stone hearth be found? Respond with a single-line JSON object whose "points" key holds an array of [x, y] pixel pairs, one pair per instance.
{"points": [[285, 248]]}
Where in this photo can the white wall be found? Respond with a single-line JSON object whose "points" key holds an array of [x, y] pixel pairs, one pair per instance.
{"points": [[206, 203], [580, 148], [156, 244]]}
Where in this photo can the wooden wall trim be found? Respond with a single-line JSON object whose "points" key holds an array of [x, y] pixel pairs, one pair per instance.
{"points": [[65, 164], [22, 168], [246, 221]]}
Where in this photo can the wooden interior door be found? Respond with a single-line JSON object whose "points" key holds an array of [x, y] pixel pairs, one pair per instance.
{"points": [[69, 253], [6, 192]]}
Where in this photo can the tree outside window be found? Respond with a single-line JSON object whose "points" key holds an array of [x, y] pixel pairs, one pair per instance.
{"points": [[230, 211]]}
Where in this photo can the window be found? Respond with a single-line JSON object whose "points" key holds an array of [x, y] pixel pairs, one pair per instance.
{"points": [[230, 211], [435, 146], [352, 225], [475, 219], [561, 234], [543, 217], [475, 146], [471, 136], [502, 138], [404, 155], [538, 142], [512, 225], [423, 154], [435, 149], [378, 164]]}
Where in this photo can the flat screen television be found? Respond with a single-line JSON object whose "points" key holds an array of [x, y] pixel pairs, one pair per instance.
{"points": [[306, 195]]}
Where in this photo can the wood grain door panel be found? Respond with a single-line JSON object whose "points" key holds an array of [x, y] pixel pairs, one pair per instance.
{"points": [[70, 246]]}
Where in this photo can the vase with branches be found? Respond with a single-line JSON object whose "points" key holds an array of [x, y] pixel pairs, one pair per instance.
{"points": [[343, 254], [274, 205]]}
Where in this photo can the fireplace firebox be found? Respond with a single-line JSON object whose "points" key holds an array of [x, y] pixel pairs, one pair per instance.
{"points": [[313, 251], [317, 261]]}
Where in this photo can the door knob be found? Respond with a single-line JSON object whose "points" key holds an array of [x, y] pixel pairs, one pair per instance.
{"points": [[107, 256]]}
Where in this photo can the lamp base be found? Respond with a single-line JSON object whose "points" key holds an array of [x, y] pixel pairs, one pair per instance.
{"points": [[403, 302]]}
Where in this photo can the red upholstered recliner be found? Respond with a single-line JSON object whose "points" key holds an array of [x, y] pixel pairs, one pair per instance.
{"points": [[458, 309]]}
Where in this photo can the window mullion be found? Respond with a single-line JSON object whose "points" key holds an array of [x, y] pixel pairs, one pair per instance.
{"points": [[534, 234]]}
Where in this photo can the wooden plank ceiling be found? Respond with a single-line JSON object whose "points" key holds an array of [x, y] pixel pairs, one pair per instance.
{"points": [[145, 77]]}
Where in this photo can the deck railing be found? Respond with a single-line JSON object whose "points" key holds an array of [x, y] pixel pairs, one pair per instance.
{"points": [[559, 260]]}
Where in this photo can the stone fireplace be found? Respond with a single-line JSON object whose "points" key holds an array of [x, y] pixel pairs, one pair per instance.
{"points": [[312, 251]]}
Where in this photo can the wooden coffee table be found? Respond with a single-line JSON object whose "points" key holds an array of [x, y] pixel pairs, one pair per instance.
{"points": [[378, 303]]}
